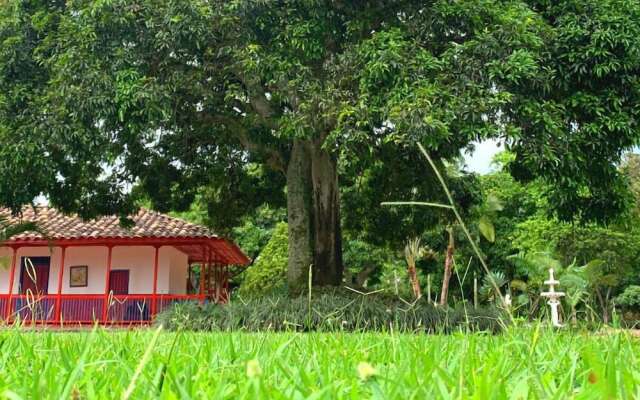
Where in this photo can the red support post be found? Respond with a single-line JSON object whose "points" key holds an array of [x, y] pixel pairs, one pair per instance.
{"points": [[203, 268], [189, 282], [154, 298], [58, 311], [226, 284], [12, 274], [216, 281], [105, 304], [211, 273]]}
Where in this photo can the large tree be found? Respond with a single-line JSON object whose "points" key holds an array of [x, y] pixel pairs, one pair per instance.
{"points": [[244, 97]]}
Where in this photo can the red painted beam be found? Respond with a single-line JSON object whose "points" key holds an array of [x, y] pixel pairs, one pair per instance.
{"points": [[154, 300], [105, 305], [63, 250]]}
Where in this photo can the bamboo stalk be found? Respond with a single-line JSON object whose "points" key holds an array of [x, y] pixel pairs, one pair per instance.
{"points": [[463, 225], [475, 291]]}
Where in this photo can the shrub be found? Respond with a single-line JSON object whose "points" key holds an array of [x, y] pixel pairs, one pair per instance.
{"points": [[630, 298], [269, 271], [257, 228], [629, 303], [332, 310], [394, 278]]}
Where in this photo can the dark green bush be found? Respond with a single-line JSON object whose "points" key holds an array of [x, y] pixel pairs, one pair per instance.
{"points": [[330, 311], [269, 272], [629, 299], [629, 304]]}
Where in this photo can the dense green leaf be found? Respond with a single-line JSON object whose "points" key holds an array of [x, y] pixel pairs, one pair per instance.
{"points": [[487, 229]]}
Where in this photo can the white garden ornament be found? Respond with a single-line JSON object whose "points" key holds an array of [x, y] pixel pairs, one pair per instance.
{"points": [[554, 298]]}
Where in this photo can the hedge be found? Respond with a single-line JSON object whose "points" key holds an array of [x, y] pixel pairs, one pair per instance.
{"points": [[333, 310]]}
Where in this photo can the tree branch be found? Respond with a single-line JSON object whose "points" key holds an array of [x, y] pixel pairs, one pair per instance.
{"points": [[274, 157], [257, 98]]}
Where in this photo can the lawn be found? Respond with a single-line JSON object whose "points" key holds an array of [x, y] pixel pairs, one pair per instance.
{"points": [[146, 363]]}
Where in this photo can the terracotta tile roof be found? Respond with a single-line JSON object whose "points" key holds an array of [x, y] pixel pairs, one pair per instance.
{"points": [[147, 224]]}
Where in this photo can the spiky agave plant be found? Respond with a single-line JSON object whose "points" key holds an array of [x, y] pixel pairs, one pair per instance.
{"points": [[494, 278]]}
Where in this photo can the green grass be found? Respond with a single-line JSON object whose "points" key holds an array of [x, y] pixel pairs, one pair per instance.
{"points": [[518, 364]]}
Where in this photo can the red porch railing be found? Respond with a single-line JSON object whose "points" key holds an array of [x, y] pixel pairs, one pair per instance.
{"points": [[88, 308]]}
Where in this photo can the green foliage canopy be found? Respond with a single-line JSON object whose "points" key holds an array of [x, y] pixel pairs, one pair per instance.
{"points": [[630, 298], [97, 94]]}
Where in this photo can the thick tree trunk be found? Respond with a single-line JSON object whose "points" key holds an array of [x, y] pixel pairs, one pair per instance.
{"points": [[328, 267], [314, 217], [448, 267], [603, 306], [299, 201]]}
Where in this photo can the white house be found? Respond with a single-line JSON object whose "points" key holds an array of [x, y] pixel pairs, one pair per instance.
{"points": [[110, 274]]}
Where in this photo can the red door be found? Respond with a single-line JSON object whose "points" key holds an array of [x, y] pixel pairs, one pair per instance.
{"points": [[34, 276], [119, 281]]}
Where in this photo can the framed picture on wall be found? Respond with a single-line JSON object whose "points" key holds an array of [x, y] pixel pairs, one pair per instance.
{"points": [[78, 276]]}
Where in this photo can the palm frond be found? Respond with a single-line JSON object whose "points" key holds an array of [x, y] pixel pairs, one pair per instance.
{"points": [[487, 290], [413, 251]]}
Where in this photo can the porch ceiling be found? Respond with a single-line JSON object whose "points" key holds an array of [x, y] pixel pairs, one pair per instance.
{"points": [[220, 251]]}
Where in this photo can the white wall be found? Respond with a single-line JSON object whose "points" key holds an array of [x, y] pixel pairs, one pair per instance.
{"points": [[139, 262], [178, 271], [95, 258], [172, 268]]}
